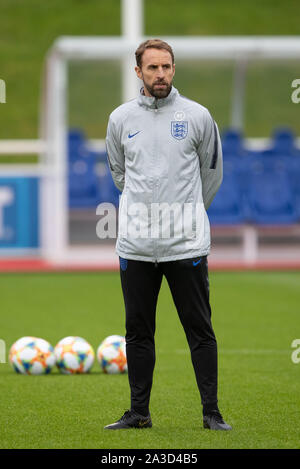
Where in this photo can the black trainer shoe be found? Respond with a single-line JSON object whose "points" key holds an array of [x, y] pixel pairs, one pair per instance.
{"points": [[131, 419], [214, 421]]}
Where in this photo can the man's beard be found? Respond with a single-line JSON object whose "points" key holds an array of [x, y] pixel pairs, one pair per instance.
{"points": [[159, 92]]}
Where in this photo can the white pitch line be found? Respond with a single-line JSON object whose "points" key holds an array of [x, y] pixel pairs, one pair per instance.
{"points": [[255, 352], [238, 351]]}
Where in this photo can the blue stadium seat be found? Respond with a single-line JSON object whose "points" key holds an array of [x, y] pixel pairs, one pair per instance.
{"points": [[83, 181], [271, 194], [232, 143], [295, 180], [284, 142], [76, 145], [261, 175], [108, 191], [90, 181], [228, 206]]}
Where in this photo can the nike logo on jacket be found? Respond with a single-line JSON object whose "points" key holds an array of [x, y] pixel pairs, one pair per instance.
{"points": [[133, 135]]}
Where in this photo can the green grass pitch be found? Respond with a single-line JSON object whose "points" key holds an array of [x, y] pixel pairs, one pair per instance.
{"points": [[28, 30], [255, 317]]}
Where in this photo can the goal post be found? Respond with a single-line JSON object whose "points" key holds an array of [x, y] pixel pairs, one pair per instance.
{"points": [[54, 123]]}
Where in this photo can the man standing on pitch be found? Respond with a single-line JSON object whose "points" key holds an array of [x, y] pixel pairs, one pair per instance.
{"points": [[165, 155]]}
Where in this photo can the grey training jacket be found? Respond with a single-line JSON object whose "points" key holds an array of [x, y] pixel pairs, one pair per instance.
{"points": [[165, 155]]}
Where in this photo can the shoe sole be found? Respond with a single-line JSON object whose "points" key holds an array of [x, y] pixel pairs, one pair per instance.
{"points": [[127, 427], [207, 427]]}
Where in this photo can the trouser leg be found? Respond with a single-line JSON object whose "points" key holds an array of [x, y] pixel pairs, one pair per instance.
{"points": [[141, 283], [189, 285]]}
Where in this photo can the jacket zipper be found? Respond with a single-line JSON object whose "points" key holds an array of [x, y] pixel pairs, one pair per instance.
{"points": [[155, 182]]}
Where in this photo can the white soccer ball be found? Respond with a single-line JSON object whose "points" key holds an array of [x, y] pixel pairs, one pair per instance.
{"points": [[32, 356], [113, 339], [74, 355], [111, 355]]}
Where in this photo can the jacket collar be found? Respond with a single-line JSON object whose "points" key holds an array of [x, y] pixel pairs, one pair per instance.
{"points": [[156, 103]]}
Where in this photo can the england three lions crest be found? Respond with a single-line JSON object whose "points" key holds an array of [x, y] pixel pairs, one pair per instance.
{"points": [[179, 129]]}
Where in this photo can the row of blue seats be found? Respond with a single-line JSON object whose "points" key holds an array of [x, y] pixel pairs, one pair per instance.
{"points": [[90, 181], [261, 187], [258, 186]]}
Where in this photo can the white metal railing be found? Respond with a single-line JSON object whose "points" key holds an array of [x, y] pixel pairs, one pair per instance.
{"points": [[32, 147]]}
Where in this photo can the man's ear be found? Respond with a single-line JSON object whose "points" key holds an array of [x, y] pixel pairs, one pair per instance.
{"points": [[138, 71]]}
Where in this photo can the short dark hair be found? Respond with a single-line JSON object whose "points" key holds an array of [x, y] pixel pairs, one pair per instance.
{"points": [[152, 44]]}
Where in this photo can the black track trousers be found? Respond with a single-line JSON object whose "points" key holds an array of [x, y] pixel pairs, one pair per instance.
{"points": [[189, 286]]}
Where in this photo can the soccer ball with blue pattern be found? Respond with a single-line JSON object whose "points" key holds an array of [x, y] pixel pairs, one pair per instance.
{"points": [[74, 355], [32, 356], [111, 355]]}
